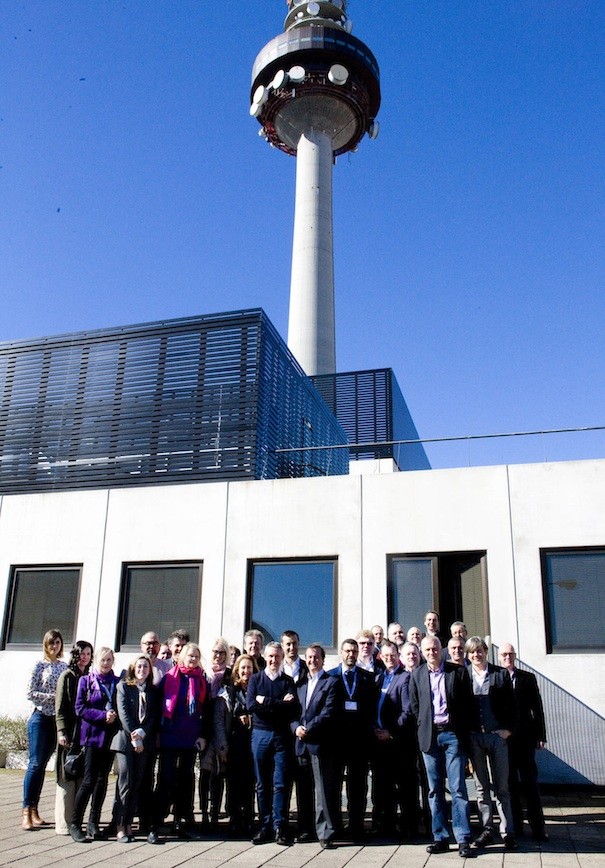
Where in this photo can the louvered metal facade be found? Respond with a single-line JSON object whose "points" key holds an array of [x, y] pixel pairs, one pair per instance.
{"points": [[202, 398], [371, 409]]}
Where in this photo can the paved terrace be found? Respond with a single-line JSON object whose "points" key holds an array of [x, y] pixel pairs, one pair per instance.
{"points": [[575, 823]]}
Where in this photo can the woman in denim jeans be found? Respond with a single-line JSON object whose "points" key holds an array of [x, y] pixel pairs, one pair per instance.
{"points": [[41, 729]]}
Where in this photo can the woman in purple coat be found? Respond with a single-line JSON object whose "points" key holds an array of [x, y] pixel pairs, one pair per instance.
{"points": [[95, 706]]}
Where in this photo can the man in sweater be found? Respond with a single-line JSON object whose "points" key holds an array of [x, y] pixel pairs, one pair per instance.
{"points": [[272, 702]]}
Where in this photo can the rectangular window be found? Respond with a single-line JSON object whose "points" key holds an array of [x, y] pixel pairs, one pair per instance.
{"points": [[159, 597], [41, 599], [454, 584], [294, 595], [574, 598]]}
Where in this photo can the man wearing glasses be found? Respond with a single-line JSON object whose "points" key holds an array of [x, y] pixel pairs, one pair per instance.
{"points": [[150, 645]]}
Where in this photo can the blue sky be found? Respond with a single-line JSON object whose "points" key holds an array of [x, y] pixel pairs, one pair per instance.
{"points": [[468, 237]]}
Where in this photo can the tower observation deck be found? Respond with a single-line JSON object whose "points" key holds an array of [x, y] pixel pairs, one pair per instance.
{"points": [[316, 93]]}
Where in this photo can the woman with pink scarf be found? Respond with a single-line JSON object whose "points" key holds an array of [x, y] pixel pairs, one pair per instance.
{"points": [[183, 732]]}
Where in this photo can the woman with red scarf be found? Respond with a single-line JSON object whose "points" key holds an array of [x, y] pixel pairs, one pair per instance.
{"points": [[183, 732]]}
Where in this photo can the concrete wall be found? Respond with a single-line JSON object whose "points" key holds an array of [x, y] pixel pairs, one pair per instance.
{"points": [[510, 512]]}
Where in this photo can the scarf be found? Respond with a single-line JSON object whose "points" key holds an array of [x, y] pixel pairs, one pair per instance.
{"points": [[196, 689]]}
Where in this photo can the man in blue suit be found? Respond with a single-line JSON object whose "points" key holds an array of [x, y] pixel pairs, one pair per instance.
{"points": [[314, 748]]}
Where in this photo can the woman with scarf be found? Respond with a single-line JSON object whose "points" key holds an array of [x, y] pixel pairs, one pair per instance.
{"points": [[138, 710], [95, 706], [41, 730], [232, 739], [183, 732], [67, 731]]}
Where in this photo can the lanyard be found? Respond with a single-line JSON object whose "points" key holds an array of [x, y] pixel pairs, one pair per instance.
{"points": [[350, 691]]}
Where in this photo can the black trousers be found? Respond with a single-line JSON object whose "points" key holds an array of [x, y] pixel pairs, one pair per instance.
{"points": [[97, 765]]}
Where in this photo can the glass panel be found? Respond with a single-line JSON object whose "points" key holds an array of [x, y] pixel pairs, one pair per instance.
{"points": [[294, 596], [411, 591], [162, 598], [471, 588], [43, 600], [576, 599]]}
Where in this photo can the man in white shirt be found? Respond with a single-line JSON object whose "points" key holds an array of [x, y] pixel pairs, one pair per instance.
{"points": [[314, 747], [294, 666]]}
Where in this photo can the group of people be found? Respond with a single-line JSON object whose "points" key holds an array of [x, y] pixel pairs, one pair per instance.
{"points": [[410, 708]]}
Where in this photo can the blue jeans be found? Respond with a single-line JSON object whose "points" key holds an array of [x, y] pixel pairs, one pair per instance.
{"points": [[42, 738], [271, 761], [446, 758]]}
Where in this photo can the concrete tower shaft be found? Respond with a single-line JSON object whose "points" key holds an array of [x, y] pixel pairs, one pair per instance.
{"points": [[316, 92]]}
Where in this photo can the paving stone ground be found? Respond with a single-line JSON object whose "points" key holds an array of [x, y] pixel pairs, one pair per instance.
{"points": [[575, 823]]}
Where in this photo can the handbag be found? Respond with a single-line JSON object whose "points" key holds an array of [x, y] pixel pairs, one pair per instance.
{"points": [[73, 766]]}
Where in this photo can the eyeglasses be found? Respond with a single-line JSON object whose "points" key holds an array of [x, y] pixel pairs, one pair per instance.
{"points": [[216, 652]]}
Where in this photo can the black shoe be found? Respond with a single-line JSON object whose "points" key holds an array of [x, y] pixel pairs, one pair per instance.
{"points": [[486, 837], [93, 831], [263, 836], [510, 842], [110, 831], [305, 838], [77, 834], [327, 844], [152, 837], [540, 836], [465, 851], [282, 839], [438, 847]]}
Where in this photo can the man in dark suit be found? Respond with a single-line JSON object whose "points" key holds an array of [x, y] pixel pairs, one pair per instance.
{"points": [[495, 720], [529, 736], [314, 748], [355, 711], [272, 703], [391, 749], [441, 700], [294, 666]]}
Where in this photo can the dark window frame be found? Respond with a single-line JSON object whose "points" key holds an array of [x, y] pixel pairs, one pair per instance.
{"points": [[435, 556], [551, 648], [319, 559], [9, 607], [123, 647]]}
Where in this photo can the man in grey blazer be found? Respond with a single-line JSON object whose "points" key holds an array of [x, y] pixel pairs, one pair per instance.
{"points": [[441, 700], [314, 748]]}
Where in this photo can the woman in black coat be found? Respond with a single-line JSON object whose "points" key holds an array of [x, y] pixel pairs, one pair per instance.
{"points": [[137, 703]]}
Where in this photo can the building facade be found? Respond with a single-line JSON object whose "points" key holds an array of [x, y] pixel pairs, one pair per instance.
{"points": [[316, 543]]}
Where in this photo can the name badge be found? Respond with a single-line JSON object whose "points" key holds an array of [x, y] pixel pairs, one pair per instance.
{"points": [[350, 705]]}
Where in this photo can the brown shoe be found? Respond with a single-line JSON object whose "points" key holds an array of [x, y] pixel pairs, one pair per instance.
{"points": [[36, 819], [26, 820]]}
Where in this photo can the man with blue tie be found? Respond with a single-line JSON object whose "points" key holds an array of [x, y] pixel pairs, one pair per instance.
{"points": [[355, 713], [314, 748]]}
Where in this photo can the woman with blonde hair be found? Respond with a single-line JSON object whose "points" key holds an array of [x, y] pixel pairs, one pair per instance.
{"points": [[95, 706], [183, 732], [232, 731], [41, 728], [138, 710]]}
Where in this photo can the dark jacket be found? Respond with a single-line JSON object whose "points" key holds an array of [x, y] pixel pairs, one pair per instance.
{"points": [[395, 710], [501, 696], [459, 698], [127, 702], [355, 725], [318, 718], [532, 727]]}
